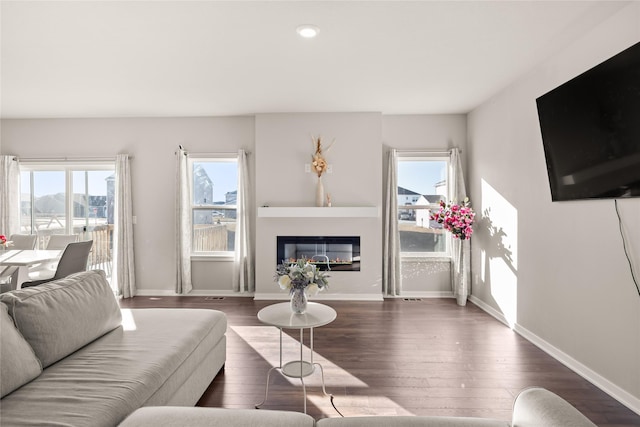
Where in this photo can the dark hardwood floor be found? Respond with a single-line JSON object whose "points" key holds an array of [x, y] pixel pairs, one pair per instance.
{"points": [[397, 357]]}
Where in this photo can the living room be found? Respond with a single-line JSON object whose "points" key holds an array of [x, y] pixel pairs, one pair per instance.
{"points": [[565, 286]]}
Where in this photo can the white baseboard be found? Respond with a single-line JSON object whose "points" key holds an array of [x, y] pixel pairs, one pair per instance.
{"points": [[321, 297], [593, 377], [218, 293], [285, 297], [155, 293], [488, 309], [260, 296], [430, 294], [195, 293], [619, 394]]}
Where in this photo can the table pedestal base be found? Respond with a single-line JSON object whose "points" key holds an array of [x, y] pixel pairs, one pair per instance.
{"points": [[296, 369]]}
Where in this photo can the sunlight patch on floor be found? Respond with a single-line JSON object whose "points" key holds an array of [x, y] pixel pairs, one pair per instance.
{"points": [[265, 341]]}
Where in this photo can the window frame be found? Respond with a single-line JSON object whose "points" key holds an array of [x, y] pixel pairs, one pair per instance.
{"points": [[68, 168], [433, 207], [212, 158]]}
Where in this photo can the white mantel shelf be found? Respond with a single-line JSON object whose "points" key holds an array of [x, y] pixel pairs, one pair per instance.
{"points": [[319, 212]]}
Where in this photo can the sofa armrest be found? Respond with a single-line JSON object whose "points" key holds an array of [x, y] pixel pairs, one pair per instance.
{"points": [[538, 407]]}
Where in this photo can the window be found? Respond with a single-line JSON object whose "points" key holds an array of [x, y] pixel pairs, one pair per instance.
{"points": [[67, 198], [213, 205], [422, 183]]}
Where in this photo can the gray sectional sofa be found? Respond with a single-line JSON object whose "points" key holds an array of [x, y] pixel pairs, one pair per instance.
{"points": [[70, 357]]}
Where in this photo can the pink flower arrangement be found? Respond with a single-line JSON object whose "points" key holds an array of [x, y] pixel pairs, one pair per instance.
{"points": [[457, 218], [4, 242]]}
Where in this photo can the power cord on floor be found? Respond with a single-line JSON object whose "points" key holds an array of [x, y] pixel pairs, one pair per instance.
{"points": [[624, 245], [334, 405]]}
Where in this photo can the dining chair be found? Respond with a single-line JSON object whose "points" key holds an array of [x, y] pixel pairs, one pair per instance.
{"points": [[47, 269], [23, 241], [73, 260], [60, 241], [19, 242]]}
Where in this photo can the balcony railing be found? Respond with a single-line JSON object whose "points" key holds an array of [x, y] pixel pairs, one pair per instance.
{"points": [[210, 238], [101, 255]]}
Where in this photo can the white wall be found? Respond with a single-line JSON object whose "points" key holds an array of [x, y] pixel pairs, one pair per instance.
{"points": [[556, 271]]}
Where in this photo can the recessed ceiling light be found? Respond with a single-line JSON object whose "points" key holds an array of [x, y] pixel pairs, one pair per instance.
{"points": [[308, 31]]}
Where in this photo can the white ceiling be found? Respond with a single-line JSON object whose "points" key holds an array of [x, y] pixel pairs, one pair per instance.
{"points": [[212, 58]]}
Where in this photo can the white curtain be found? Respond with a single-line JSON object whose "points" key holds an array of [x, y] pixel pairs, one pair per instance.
{"points": [[392, 278], [183, 225], [125, 266], [243, 269], [9, 195], [460, 249]]}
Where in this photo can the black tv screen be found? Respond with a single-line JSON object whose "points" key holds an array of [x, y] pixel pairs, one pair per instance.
{"points": [[591, 131]]}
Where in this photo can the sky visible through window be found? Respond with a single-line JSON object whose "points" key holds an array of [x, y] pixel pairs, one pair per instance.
{"points": [[224, 176], [418, 176], [53, 182], [421, 176]]}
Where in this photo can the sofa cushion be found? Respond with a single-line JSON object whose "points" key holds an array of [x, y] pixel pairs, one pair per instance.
{"points": [[410, 421], [139, 363], [59, 317], [18, 362], [215, 417]]}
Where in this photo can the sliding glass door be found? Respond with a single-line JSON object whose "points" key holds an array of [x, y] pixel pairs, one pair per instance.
{"points": [[73, 199]]}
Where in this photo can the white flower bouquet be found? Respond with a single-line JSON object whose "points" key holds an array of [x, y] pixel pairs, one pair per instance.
{"points": [[301, 274]]}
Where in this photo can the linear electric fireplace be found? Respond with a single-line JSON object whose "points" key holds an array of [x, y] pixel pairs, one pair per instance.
{"points": [[334, 253]]}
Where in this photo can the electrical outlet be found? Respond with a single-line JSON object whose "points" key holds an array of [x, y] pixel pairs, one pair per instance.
{"points": [[307, 168], [329, 168]]}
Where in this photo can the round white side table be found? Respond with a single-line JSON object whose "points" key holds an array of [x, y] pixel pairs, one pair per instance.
{"points": [[281, 316]]}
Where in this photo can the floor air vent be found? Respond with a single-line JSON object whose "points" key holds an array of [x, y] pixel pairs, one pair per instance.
{"points": [[412, 299], [213, 298]]}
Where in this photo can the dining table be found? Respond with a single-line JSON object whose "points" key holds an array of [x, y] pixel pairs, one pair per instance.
{"points": [[23, 259]]}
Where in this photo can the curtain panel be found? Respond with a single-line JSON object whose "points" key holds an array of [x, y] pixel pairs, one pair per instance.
{"points": [[9, 195], [391, 265], [460, 249], [125, 265], [244, 273], [183, 224]]}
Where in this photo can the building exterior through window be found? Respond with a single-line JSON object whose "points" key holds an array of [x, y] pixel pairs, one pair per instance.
{"points": [[215, 190], [422, 183]]}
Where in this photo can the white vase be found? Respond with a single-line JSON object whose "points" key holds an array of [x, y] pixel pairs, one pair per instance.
{"points": [[298, 301], [319, 193]]}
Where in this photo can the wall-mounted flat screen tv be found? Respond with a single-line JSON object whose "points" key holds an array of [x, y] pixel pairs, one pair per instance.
{"points": [[591, 131]]}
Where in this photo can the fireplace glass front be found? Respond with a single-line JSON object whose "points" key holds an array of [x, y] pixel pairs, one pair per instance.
{"points": [[329, 253]]}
